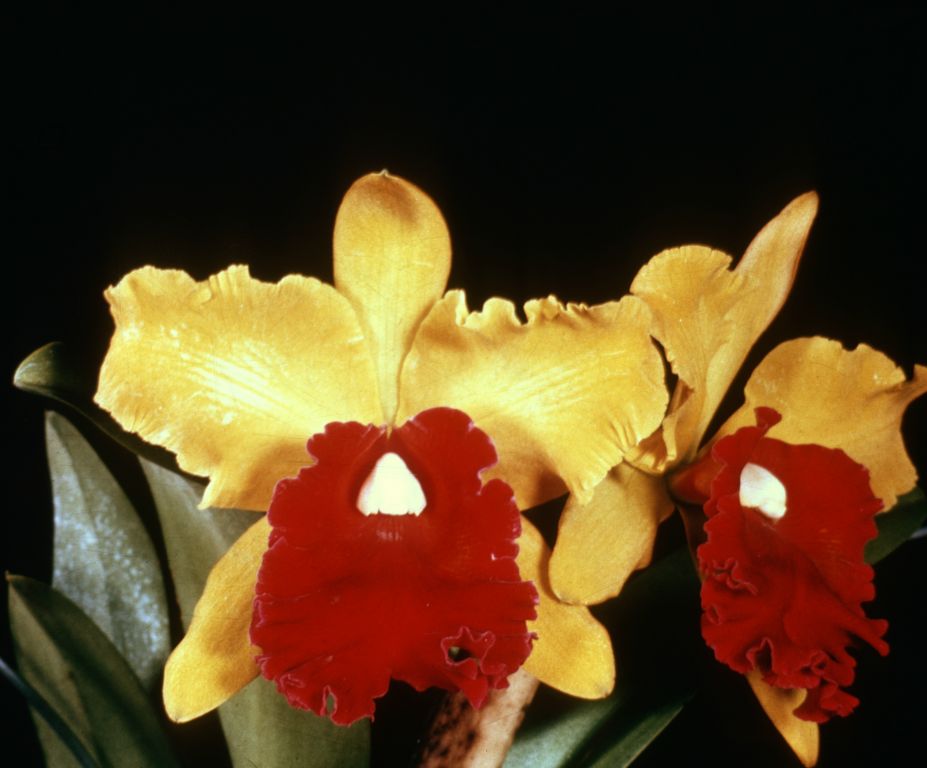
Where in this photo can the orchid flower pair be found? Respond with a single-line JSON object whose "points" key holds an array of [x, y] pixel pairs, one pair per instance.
{"points": [[394, 547]]}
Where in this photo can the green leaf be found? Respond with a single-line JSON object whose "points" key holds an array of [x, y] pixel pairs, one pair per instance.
{"points": [[59, 743], [655, 625], [897, 525], [73, 666], [572, 739], [103, 558], [195, 538], [260, 726], [52, 372], [630, 741], [551, 743]]}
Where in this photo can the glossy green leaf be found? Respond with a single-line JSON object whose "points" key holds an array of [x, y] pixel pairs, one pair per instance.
{"points": [[897, 525], [103, 558], [260, 727], [71, 664], [655, 625], [53, 373]]}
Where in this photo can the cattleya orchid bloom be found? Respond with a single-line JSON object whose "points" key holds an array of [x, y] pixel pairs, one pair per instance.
{"points": [[790, 504], [390, 546], [783, 566]]}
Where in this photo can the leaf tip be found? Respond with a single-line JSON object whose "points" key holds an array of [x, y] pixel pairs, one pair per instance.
{"points": [[29, 373]]}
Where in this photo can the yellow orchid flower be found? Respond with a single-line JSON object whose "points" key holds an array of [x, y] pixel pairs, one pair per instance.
{"points": [[396, 386], [707, 316]]}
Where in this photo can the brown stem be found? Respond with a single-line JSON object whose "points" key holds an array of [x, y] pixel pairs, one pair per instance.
{"points": [[464, 737]]}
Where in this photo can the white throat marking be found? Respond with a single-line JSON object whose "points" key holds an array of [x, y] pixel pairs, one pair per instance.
{"points": [[391, 489], [761, 489]]}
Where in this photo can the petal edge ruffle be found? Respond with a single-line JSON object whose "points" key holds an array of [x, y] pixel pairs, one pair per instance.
{"points": [[346, 601], [564, 395], [234, 374], [708, 316], [816, 384]]}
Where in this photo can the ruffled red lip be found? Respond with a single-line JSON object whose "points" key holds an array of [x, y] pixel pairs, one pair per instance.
{"points": [[782, 593], [345, 600]]}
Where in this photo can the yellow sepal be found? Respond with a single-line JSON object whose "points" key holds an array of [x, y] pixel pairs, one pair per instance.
{"points": [[392, 257], [708, 316], [573, 652], [779, 703], [216, 659], [601, 543]]}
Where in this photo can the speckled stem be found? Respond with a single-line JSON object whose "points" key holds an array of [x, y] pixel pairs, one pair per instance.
{"points": [[464, 737]]}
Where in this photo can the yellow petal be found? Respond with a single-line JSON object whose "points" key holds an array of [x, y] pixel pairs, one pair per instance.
{"points": [[852, 400], [573, 652], [392, 259], [779, 704], [216, 659], [563, 395], [708, 316], [234, 375], [601, 543]]}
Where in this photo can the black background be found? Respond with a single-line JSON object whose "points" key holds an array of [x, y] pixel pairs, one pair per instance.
{"points": [[563, 151]]}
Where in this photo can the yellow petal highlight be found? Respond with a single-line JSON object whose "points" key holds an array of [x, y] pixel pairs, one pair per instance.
{"points": [[216, 659], [392, 259], [233, 374], [852, 400], [563, 395], [601, 543], [708, 316], [779, 704], [573, 652]]}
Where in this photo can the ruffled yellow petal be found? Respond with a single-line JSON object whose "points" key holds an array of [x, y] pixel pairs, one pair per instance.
{"points": [[852, 400], [601, 543], [779, 704], [573, 652], [392, 259], [708, 316], [234, 375], [216, 659], [563, 395]]}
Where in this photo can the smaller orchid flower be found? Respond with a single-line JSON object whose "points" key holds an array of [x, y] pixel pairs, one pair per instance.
{"points": [[789, 500], [790, 505], [393, 546]]}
